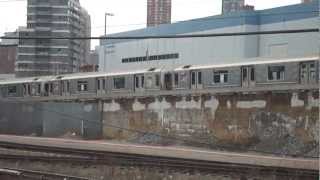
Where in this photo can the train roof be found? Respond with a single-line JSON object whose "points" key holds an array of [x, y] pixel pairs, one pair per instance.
{"points": [[254, 61], [73, 76]]}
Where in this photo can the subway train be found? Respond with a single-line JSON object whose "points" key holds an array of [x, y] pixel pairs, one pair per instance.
{"points": [[302, 72]]}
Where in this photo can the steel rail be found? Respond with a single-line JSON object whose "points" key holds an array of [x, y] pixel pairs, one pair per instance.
{"points": [[98, 157], [42, 174], [165, 163]]}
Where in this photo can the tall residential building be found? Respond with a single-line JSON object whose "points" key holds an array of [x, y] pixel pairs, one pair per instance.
{"points": [[159, 12], [49, 56], [306, 1], [85, 45], [232, 5]]}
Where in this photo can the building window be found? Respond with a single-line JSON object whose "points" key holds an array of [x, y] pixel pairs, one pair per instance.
{"points": [[220, 77], [119, 83], [12, 90], [150, 58], [82, 86], [276, 73]]}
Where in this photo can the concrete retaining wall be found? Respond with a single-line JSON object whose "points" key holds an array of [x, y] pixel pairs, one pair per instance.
{"points": [[282, 122], [271, 122], [51, 119], [82, 119], [20, 119]]}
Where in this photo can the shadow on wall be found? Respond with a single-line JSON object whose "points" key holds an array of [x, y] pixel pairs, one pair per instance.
{"points": [[68, 120]]}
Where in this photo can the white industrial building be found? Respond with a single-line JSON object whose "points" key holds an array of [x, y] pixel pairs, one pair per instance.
{"points": [[124, 55]]}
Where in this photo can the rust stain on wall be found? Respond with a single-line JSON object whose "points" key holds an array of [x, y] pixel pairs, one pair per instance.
{"points": [[277, 122]]}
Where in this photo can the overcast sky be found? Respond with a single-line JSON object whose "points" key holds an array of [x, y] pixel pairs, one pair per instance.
{"points": [[129, 14]]}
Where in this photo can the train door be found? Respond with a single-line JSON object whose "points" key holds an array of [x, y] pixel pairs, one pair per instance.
{"points": [[139, 82], [308, 73], [248, 76], [26, 89], [65, 88], [196, 80], [46, 89], [168, 81], [101, 85]]}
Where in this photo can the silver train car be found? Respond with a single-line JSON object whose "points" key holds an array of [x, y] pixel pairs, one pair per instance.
{"points": [[287, 73]]}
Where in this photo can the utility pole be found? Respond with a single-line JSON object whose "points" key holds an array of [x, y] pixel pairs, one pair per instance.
{"points": [[105, 22], [105, 34]]}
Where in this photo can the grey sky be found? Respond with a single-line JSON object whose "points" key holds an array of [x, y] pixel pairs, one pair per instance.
{"points": [[129, 14]]}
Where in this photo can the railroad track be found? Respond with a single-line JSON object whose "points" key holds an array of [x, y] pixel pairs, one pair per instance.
{"points": [[183, 165], [23, 173], [122, 159]]}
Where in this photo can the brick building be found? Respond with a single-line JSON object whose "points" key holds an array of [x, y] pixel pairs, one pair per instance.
{"points": [[159, 12], [8, 56]]}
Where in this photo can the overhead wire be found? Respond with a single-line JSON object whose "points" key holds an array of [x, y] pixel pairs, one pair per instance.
{"points": [[291, 31]]}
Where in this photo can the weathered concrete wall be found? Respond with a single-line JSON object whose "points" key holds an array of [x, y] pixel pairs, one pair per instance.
{"points": [[271, 122], [82, 119], [51, 119], [20, 119], [285, 123]]}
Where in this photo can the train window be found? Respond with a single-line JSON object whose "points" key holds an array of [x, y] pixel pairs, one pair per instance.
{"points": [[142, 81], [313, 75], [199, 77], [24, 89], [312, 65], [82, 86], [137, 82], [176, 79], [39, 88], [252, 75], [62, 84], [29, 89], [98, 84], [276, 73], [68, 86], [183, 77], [157, 80], [244, 74], [103, 84], [193, 78], [220, 77], [119, 83], [12, 90], [51, 87]]}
